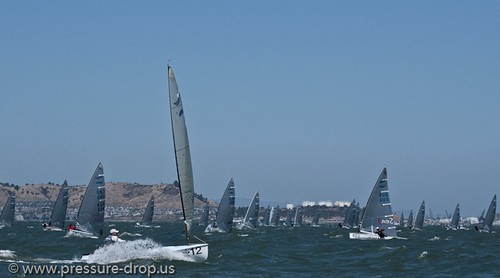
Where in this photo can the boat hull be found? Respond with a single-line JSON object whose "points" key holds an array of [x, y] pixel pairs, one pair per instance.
{"points": [[80, 233], [197, 253]]}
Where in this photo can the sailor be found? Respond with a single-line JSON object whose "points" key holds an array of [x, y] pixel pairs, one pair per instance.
{"points": [[113, 237], [380, 232], [71, 227]]}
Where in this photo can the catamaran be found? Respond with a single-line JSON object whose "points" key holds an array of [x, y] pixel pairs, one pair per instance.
{"points": [[377, 221], [224, 219], [147, 217], [191, 252], [8, 211], [487, 223], [58, 216], [419, 221], [250, 219], [90, 218]]}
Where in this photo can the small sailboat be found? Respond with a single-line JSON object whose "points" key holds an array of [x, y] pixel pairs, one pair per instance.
{"points": [[225, 213], [402, 220], [275, 216], [377, 221], [250, 219], [419, 221], [90, 218], [191, 252], [315, 220], [267, 217], [455, 219], [147, 217], [487, 223], [297, 219], [349, 216], [204, 217], [58, 216], [8, 211], [289, 216], [409, 222]]}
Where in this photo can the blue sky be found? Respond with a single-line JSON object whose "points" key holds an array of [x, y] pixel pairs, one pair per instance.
{"points": [[297, 100]]}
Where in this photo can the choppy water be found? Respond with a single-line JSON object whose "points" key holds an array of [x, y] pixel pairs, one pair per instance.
{"points": [[267, 252]]}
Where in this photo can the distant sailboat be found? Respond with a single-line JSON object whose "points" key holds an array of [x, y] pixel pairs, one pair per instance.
{"points": [[90, 218], [191, 252], [455, 219], [349, 215], [315, 220], [402, 220], [58, 216], [8, 211], [250, 219], [297, 219], [419, 221], [225, 213], [275, 216], [289, 216], [409, 223], [487, 224], [204, 216], [147, 217], [378, 213], [267, 217]]}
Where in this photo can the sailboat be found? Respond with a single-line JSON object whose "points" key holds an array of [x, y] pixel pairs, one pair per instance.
{"points": [[455, 219], [487, 224], [204, 217], [90, 218], [267, 217], [315, 220], [377, 213], [8, 211], [349, 215], [192, 252], [419, 221], [402, 220], [275, 216], [250, 219], [147, 217], [289, 216], [58, 216], [409, 222], [297, 219], [225, 213]]}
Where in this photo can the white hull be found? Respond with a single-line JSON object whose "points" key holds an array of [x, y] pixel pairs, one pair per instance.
{"points": [[80, 233], [371, 236], [196, 253], [53, 229], [211, 229]]}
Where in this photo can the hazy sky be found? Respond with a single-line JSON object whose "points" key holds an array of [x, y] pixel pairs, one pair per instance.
{"points": [[298, 100]]}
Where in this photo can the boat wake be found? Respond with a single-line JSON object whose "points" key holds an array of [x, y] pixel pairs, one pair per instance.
{"points": [[142, 249], [7, 254]]}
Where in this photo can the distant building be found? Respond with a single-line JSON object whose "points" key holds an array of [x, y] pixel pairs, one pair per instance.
{"points": [[342, 203], [325, 203], [289, 206], [308, 203]]}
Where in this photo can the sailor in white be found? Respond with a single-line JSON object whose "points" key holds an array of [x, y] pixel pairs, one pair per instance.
{"points": [[113, 237]]}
